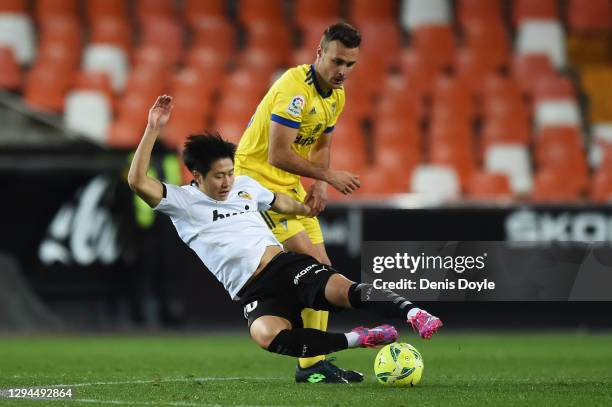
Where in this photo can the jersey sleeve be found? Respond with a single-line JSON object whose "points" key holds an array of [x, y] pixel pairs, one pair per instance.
{"points": [[289, 103], [263, 196], [175, 201], [337, 113]]}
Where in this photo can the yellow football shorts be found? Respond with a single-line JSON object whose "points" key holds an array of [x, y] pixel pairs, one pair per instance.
{"points": [[286, 226]]}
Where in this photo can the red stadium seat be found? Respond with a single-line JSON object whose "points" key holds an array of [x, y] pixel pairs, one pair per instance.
{"points": [[14, 6], [257, 11], [147, 10], [420, 73], [451, 95], [165, 33], [209, 62], [589, 16], [506, 129], [382, 181], [553, 186], [471, 67], [601, 186], [46, 87], [95, 81], [194, 82], [534, 9], [188, 117], [491, 39], [460, 157], [198, 9], [146, 82], [488, 186], [216, 33], [478, 11], [151, 56], [112, 30], [528, 69], [96, 9], [246, 83], [10, 72], [231, 128], [401, 133], [360, 11], [307, 12], [272, 37], [400, 161], [312, 34], [434, 43], [368, 77], [381, 40], [502, 96], [124, 134], [351, 157], [360, 106], [397, 100], [258, 60], [554, 87], [61, 30], [46, 9]]}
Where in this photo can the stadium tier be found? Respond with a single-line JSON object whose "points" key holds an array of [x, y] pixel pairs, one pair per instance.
{"points": [[459, 100]]}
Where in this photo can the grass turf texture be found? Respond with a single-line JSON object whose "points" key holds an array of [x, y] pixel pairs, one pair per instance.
{"points": [[460, 370]]}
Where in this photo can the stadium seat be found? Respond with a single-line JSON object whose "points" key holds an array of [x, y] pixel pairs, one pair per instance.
{"points": [[146, 81], [50, 9], [350, 158], [591, 16], [397, 131], [398, 99], [459, 157], [88, 113], [188, 117], [260, 11], [601, 144], [360, 106], [377, 182], [246, 83], [539, 36], [133, 109], [216, 33], [488, 186], [112, 31], [489, 38], [109, 59], [14, 6], [17, 32], [451, 95], [502, 95], [513, 161], [401, 160], [124, 134], [96, 81], [95, 9], [528, 69], [534, 9], [360, 11], [471, 66], [381, 41], [152, 57], [479, 11], [273, 38], [193, 82], [434, 43], [64, 31], [307, 12], [553, 87], [563, 112], [601, 186], [198, 9], [505, 129], [368, 77], [45, 88], [420, 72], [165, 33], [437, 182], [311, 35], [553, 186], [418, 13], [210, 63], [10, 72], [147, 10]]}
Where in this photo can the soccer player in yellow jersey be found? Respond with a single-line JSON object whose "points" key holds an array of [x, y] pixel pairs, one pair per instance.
{"points": [[290, 136]]}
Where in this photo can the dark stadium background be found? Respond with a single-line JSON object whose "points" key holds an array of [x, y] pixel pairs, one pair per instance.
{"points": [[436, 89]]}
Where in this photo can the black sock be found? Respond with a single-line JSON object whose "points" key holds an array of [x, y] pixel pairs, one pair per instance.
{"points": [[394, 306], [306, 342]]}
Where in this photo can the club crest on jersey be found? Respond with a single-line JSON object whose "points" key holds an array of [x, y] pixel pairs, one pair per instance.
{"points": [[297, 105], [333, 107], [245, 195], [313, 110]]}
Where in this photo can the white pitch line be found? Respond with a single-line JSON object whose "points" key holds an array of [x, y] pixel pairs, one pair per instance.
{"points": [[176, 379]]}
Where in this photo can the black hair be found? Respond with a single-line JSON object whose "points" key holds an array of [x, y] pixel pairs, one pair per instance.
{"points": [[202, 150], [348, 35]]}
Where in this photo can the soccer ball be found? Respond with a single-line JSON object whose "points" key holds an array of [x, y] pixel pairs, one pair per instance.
{"points": [[398, 364]]}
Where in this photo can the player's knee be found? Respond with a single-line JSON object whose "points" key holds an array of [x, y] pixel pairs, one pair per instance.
{"points": [[264, 330], [337, 290]]}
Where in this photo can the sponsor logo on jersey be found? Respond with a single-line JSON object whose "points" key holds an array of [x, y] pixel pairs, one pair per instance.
{"points": [[296, 105], [217, 215], [313, 110], [304, 141], [245, 195]]}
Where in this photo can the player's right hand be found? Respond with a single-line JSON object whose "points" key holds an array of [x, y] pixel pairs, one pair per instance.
{"points": [[159, 114], [344, 181]]}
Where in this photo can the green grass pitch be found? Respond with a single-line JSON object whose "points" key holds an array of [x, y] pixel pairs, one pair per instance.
{"points": [[460, 370]]}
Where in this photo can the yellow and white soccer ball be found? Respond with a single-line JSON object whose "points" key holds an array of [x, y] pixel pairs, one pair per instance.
{"points": [[398, 364]]}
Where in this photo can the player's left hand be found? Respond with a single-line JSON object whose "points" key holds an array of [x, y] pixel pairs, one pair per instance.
{"points": [[316, 198]]}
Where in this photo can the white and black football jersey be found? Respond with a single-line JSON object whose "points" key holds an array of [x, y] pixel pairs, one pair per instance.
{"points": [[229, 236]]}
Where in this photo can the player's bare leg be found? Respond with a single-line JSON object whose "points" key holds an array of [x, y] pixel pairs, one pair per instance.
{"points": [[301, 243]]}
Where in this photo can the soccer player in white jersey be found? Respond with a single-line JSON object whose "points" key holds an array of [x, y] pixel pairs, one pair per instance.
{"points": [[219, 218]]}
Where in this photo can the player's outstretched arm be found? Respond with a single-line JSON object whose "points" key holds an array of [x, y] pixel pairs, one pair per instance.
{"points": [[148, 188], [287, 205], [282, 156]]}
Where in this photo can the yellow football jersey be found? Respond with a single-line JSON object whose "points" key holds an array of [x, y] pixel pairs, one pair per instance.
{"points": [[294, 100]]}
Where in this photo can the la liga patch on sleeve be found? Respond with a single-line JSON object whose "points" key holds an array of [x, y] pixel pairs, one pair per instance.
{"points": [[296, 105]]}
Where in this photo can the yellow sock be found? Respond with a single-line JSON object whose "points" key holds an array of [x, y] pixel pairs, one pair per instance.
{"points": [[312, 319]]}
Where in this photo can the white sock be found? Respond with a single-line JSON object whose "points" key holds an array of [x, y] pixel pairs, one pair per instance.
{"points": [[413, 312], [353, 339]]}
